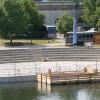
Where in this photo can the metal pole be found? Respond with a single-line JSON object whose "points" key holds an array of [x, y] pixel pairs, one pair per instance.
{"points": [[15, 69], [74, 25], [74, 7], [96, 66]]}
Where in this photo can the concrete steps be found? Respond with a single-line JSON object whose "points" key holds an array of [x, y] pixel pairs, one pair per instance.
{"points": [[19, 55], [72, 54], [53, 54]]}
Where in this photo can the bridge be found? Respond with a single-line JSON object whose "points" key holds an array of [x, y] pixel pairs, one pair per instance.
{"points": [[55, 9], [55, 5]]}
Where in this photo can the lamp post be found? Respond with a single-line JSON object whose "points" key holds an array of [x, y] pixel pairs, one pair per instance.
{"points": [[96, 66], [74, 25]]}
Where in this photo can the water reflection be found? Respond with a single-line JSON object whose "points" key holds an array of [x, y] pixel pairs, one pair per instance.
{"points": [[83, 95], [33, 91], [19, 91], [71, 92]]}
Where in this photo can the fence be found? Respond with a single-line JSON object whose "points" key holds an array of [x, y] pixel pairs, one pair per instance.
{"points": [[32, 68]]}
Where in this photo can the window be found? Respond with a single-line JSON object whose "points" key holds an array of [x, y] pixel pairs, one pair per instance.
{"points": [[87, 35], [51, 30], [79, 36], [91, 35], [83, 35]]}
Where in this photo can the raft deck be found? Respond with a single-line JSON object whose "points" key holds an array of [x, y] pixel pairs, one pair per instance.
{"points": [[67, 77]]}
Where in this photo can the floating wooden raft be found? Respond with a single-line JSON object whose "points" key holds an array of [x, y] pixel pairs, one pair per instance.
{"points": [[67, 77]]}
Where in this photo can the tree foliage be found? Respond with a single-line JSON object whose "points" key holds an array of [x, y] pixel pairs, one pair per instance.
{"points": [[19, 16], [12, 20], [91, 12], [64, 24], [35, 20]]}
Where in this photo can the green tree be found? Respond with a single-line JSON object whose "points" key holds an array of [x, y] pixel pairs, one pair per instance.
{"points": [[19, 16], [91, 12], [13, 20], [98, 3], [64, 24], [35, 19]]}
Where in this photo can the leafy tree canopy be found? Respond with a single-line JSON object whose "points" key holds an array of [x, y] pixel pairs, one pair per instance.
{"points": [[19, 16], [64, 24], [91, 12]]}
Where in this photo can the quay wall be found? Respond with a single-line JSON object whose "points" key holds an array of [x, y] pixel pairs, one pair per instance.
{"points": [[19, 72], [13, 79]]}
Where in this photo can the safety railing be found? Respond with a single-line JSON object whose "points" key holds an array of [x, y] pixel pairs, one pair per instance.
{"points": [[32, 68]]}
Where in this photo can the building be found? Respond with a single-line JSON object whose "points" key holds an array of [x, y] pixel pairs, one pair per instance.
{"points": [[97, 38]]}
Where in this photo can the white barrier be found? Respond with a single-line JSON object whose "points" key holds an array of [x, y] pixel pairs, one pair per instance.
{"points": [[32, 68]]}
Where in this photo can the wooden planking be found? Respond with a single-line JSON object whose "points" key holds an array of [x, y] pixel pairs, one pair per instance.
{"points": [[67, 77]]}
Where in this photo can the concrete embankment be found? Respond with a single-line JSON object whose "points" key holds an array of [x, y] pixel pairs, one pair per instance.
{"points": [[18, 72], [13, 79], [49, 54], [23, 64]]}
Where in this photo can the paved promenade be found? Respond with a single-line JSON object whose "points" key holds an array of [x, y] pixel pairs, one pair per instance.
{"points": [[31, 68]]}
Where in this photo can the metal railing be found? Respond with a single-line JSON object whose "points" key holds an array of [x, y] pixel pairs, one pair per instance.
{"points": [[32, 68]]}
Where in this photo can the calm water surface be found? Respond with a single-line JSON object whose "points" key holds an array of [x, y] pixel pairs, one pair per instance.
{"points": [[33, 91]]}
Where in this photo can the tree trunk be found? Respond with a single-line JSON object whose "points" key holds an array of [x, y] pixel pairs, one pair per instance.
{"points": [[65, 39], [11, 41], [10, 36], [31, 41]]}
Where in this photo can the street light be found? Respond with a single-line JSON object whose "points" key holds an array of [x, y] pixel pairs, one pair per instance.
{"points": [[74, 25]]}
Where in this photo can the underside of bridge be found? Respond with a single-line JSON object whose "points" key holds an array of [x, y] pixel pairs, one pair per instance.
{"points": [[55, 9]]}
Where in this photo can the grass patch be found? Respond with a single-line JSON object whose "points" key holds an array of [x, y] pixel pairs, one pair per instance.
{"points": [[96, 45], [40, 41], [23, 42], [26, 42]]}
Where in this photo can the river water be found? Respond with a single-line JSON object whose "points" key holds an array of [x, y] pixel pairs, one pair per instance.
{"points": [[33, 91]]}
